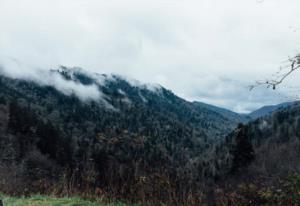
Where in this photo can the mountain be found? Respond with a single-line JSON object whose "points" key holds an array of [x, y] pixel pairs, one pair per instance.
{"points": [[230, 115], [278, 128], [113, 94], [69, 132], [244, 118], [266, 153], [275, 138], [266, 110], [105, 131]]}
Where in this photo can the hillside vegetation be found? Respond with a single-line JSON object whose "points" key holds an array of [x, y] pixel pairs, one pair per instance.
{"points": [[39, 200], [142, 143]]}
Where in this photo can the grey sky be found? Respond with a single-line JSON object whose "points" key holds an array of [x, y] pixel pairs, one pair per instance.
{"points": [[206, 50]]}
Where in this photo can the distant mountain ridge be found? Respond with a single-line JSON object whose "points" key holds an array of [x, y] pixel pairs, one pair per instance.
{"points": [[267, 110], [233, 116], [244, 118]]}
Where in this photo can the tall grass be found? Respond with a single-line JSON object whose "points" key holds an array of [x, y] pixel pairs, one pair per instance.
{"points": [[39, 200]]}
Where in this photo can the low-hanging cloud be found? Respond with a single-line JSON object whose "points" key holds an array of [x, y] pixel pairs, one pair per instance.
{"points": [[187, 46], [15, 69]]}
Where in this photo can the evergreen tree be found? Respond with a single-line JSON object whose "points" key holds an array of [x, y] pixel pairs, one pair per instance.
{"points": [[2, 100], [48, 137], [14, 111], [21, 120], [243, 153]]}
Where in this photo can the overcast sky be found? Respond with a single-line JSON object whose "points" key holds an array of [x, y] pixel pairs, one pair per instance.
{"points": [[205, 50]]}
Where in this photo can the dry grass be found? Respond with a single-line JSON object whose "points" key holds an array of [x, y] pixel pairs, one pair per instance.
{"points": [[39, 200]]}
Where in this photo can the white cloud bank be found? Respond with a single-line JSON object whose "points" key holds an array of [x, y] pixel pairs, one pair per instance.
{"points": [[207, 50], [14, 69]]}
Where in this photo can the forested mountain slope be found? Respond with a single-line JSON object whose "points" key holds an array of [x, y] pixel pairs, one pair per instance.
{"points": [[125, 100], [74, 132], [268, 160], [232, 116], [104, 133]]}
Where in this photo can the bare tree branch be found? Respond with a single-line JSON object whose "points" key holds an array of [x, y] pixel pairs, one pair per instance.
{"points": [[293, 65]]}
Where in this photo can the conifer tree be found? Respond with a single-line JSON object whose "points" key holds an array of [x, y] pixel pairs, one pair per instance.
{"points": [[243, 153]]}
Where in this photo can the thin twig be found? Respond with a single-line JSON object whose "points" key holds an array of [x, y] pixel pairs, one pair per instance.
{"points": [[294, 64]]}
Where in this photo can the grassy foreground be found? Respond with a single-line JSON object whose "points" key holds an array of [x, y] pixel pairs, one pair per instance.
{"points": [[39, 200]]}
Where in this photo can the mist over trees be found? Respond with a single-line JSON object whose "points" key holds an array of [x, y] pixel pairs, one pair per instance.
{"points": [[160, 150]]}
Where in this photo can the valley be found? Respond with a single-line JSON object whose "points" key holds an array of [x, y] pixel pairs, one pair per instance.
{"points": [[138, 143]]}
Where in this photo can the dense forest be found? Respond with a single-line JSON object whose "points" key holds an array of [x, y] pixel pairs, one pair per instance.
{"points": [[143, 145]]}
